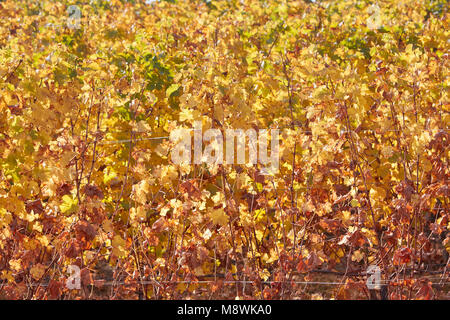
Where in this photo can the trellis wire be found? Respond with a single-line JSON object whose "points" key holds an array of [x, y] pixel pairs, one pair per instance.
{"points": [[101, 283], [167, 137]]}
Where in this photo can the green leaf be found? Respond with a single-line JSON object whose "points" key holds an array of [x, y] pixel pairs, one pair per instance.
{"points": [[172, 89], [69, 205], [354, 203]]}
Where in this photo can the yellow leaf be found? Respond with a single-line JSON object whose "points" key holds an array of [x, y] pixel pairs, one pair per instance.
{"points": [[15, 265], [138, 214], [387, 151], [218, 216], [357, 256], [119, 248], [354, 203], [189, 115], [37, 271], [141, 190], [264, 274], [69, 205], [142, 126], [107, 226]]}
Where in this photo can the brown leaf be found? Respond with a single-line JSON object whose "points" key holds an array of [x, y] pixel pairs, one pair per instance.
{"points": [[159, 225], [92, 191], [35, 205], [73, 250], [54, 288], [426, 291], [402, 256], [191, 189], [63, 189], [86, 277], [84, 229]]}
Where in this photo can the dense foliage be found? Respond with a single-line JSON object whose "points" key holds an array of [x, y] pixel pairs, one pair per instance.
{"points": [[87, 179]]}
